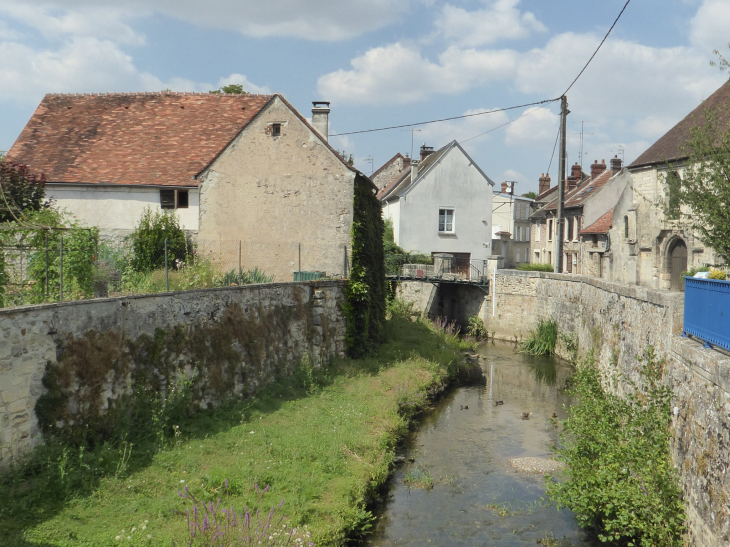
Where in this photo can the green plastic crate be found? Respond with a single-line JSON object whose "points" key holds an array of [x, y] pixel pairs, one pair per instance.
{"points": [[308, 276]]}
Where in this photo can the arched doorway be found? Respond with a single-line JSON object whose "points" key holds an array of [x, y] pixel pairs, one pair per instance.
{"points": [[678, 264]]}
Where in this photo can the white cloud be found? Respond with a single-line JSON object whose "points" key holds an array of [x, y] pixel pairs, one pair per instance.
{"points": [[536, 125], [709, 27], [399, 74], [499, 20], [511, 174], [319, 20]]}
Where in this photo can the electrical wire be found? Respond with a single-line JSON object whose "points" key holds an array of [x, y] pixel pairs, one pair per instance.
{"points": [[554, 147], [599, 47], [502, 125], [446, 119]]}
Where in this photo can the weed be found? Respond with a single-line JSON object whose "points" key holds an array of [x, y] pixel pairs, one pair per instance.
{"points": [[542, 339], [418, 478], [398, 309], [477, 329]]}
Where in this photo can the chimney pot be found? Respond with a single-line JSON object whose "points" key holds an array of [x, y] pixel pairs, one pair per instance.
{"points": [[544, 183], [598, 168], [615, 165], [321, 118], [426, 151]]}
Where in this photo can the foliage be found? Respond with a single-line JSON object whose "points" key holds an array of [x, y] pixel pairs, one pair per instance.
{"points": [[395, 256], [236, 89], [349, 159], [704, 188], [535, 267], [365, 292], [209, 524], [324, 437], [398, 310], [694, 269], [20, 191], [450, 332], [148, 241], [246, 277], [476, 328], [721, 63], [418, 478], [530, 195], [717, 274], [542, 340], [619, 477], [79, 256]]}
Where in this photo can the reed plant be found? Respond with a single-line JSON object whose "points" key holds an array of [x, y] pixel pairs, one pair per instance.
{"points": [[542, 340]]}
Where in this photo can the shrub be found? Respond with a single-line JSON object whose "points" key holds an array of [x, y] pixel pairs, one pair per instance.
{"points": [[148, 241], [619, 477], [717, 274], [245, 277], [398, 310], [476, 328], [542, 339], [694, 269], [535, 267], [22, 191]]}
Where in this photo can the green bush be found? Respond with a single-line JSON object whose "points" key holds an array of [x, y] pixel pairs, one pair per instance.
{"points": [[717, 274], [694, 269], [619, 478], [398, 310], [476, 328], [542, 340], [148, 241], [245, 277], [535, 267]]}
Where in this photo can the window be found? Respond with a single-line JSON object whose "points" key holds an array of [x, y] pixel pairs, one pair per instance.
{"points": [[538, 229], [550, 230], [626, 227], [167, 199], [518, 255], [275, 129], [518, 233], [527, 233], [674, 185], [174, 199], [446, 220], [537, 257], [569, 231], [577, 228], [182, 199]]}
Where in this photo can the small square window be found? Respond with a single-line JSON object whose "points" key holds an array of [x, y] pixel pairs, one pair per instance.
{"points": [[275, 129], [167, 199], [182, 199], [446, 220]]}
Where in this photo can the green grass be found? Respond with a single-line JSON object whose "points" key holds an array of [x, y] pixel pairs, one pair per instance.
{"points": [[323, 440], [535, 267], [542, 340], [418, 478]]}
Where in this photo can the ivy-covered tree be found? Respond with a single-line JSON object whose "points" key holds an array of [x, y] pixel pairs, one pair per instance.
{"points": [[20, 191], [700, 197], [148, 241]]}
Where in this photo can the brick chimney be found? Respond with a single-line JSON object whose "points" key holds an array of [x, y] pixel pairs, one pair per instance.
{"points": [[321, 118], [597, 168], [544, 183], [615, 165], [574, 179], [426, 151]]}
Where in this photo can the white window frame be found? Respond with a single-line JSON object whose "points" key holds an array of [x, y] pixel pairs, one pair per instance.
{"points": [[527, 234], [538, 229], [445, 215]]}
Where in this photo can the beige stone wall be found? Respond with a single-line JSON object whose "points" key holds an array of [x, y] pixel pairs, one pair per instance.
{"points": [[300, 319], [387, 174], [278, 192]]}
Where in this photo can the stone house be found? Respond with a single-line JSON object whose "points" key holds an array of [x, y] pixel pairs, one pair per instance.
{"points": [[244, 169], [511, 226], [441, 204], [586, 200], [390, 170], [650, 244]]}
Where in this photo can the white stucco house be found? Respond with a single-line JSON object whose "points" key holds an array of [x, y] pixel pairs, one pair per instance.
{"points": [[441, 204], [511, 226]]}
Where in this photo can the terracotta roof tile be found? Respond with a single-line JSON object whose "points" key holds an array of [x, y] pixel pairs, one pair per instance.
{"points": [[137, 138], [602, 225], [669, 146]]}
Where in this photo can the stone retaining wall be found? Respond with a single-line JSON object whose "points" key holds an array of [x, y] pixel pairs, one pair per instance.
{"points": [[230, 341]]}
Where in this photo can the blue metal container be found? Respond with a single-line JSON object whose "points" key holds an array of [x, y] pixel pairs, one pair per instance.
{"points": [[707, 311]]}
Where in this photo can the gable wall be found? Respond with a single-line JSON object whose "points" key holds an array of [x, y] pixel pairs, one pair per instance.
{"points": [[452, 182], [277, 192]]}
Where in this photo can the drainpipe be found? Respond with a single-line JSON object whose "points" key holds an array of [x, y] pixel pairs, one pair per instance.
{"points": [[494, 289]]}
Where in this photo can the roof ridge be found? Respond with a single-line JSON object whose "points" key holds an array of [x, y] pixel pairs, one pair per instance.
{"points": [[144, 93]]}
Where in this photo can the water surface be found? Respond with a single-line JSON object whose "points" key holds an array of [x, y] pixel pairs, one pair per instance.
{"points": [[477, 498]]}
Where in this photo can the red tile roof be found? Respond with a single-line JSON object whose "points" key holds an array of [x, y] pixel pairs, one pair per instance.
{"points": [[161, 139], [602, 225], [578, 195], [670, 146]]}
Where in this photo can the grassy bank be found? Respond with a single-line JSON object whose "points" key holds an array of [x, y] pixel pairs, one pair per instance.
{"points": [[322, 440]]}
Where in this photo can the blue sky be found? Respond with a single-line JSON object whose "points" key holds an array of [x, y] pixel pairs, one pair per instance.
{"points": [[388, 62]]}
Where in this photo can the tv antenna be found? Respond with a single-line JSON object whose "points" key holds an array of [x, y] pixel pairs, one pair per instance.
{"points": [[371, 160], [582, 132]]}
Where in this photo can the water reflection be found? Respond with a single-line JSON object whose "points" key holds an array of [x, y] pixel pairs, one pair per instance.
{"points": [[477, 499]]}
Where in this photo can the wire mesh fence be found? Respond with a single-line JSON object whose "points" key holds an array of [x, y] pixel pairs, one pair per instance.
{"points": [[70, 269]]}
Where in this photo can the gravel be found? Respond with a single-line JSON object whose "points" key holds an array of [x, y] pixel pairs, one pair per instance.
{"points": [[535, 465]]}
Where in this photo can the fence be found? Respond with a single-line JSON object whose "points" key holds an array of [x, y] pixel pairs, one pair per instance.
{"points": [[438, 267], [707, 311], [68, 269]]}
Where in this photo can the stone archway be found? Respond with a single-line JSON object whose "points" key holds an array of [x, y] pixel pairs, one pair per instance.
{"points": [[677, 262]]}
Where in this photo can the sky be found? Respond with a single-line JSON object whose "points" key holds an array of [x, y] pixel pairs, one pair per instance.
{"points": [[390, 62]]}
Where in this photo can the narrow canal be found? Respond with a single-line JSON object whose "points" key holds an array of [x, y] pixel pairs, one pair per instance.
{"points": [[477, 497]]}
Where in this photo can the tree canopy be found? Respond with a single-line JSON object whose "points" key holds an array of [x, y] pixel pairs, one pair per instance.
{"points": [[236, 89], [20, 191], [700, 198], [530, 195]]}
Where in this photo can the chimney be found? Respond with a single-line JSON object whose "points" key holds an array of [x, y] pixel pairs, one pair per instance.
{"points": [[426, 151], [576, 174], [544, 183], [321, 118], [505, 188], [406, 162], [597, 168], [615, 165], [414, 170]]}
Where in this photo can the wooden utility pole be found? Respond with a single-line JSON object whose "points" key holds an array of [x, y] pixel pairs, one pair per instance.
{"points": [[558, 263]]}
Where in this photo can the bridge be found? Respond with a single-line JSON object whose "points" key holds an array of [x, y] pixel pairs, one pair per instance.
{"points": [[445, 269]]}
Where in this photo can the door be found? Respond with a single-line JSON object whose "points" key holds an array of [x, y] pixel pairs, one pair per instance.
{"points": [[678, 257]]}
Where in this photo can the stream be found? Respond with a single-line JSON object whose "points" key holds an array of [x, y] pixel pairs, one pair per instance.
{"points": [[477, 498]]}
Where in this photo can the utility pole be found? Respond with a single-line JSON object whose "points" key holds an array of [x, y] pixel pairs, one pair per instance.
{"points": [[558, 264]]}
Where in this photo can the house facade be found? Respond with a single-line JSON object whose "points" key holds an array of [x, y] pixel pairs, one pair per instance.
{"points": [[441, 204], [248, 170], [511, 228]]}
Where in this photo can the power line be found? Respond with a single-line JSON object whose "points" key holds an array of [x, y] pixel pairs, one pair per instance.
{"points": [[506, 123], [554, 147], [599, 47], [445, 119]]}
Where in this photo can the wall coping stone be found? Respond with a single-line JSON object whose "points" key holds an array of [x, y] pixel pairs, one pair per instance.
{"points": [[9, 312]]}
